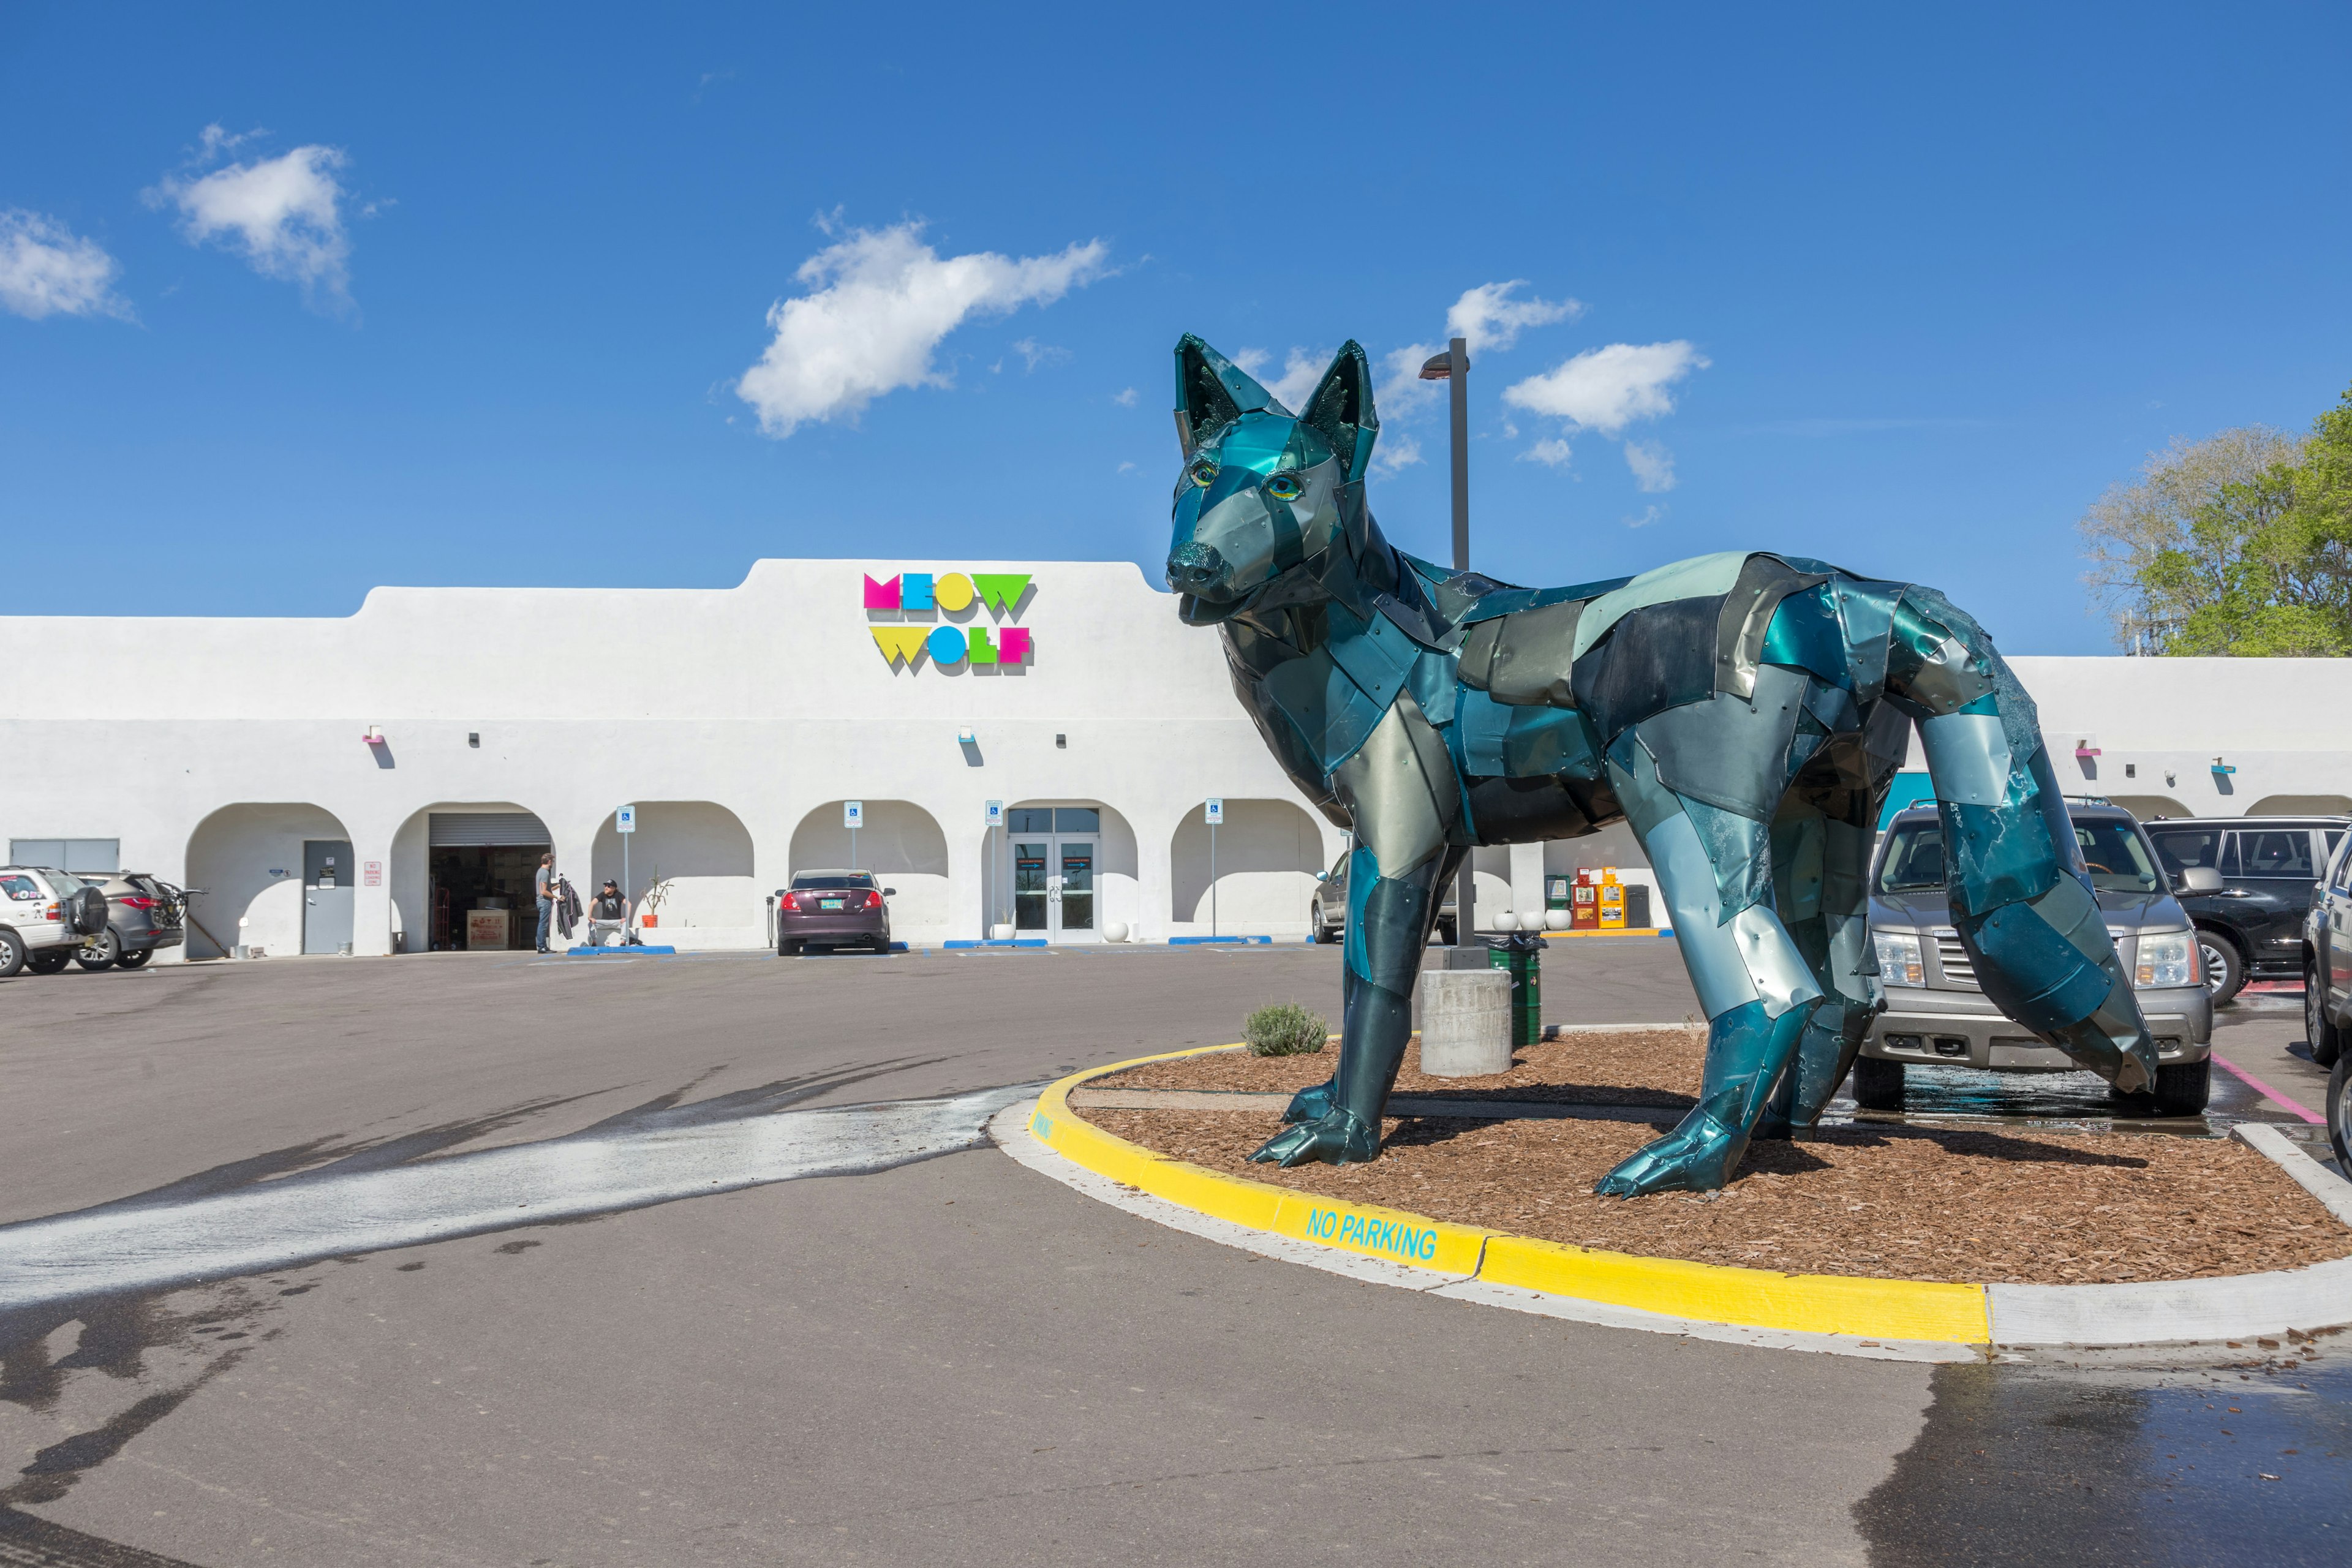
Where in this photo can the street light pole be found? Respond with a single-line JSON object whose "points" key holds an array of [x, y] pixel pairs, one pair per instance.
{"points": [[1453, 367]]}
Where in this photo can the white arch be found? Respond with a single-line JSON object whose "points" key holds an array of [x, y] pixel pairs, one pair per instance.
{"points": [[1268, 852], [247, 858], [901, 842]]}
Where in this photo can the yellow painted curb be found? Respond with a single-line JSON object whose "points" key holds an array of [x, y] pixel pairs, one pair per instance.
{"points": [[1701, 1292]]}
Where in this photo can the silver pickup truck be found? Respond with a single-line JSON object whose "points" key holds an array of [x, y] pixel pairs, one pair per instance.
{"points": [[1935, 1016]]}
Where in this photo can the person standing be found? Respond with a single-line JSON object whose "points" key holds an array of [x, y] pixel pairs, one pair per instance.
{"points": [[544, 885]]}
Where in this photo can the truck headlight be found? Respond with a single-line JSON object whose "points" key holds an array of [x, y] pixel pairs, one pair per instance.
{"points": [[2168, 959], [1898, 958]]}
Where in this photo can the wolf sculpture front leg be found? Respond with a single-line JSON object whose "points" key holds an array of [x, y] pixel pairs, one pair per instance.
{"points": [[1395, 881]]}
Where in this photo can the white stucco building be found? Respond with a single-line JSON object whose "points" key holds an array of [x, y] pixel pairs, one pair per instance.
{"points": [[413, 745]]}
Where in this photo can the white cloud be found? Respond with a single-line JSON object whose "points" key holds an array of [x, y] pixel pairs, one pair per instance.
{"points": [[1606, 389], [1395, 450], [1301, 369], [1125, 399], [1652, 514], [46, 269], [1552, 453], [880, 302], [1488, 318], [1036, 353], [1653, 465], [1127, 467], [282, 213]]}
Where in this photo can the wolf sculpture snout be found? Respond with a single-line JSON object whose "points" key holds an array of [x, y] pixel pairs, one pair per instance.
{"points": [[1197, 568]]}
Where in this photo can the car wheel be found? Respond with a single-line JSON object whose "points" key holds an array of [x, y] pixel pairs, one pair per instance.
{"points": [[135, 960], [2183, 1088], [2225, 971], [882, 947], [1877, 1084], [2326, 1041], [49, 959], [12, 954], [2339, 1112], [99, 954], [790, 949]]}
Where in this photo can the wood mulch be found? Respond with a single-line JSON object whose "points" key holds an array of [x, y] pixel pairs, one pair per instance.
{"points": [[1895, 1203], [1650, 1067]]}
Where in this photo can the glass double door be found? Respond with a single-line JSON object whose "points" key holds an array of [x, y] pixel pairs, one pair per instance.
{"points": [[1053, 886], [1055, 850]]}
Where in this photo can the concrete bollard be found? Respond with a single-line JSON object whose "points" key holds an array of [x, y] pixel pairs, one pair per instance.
{"points": [[1465, 1023]]}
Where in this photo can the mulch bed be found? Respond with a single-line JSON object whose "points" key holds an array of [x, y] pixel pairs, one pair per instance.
{"points": [[1649, 1066], [1905, 1203]]}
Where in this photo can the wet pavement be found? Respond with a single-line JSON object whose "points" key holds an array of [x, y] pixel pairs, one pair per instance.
{"points": [[874, 1341], [2121, 1465]]}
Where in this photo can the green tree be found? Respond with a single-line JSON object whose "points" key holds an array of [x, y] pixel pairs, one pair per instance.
{"points": [[2239, 544]]}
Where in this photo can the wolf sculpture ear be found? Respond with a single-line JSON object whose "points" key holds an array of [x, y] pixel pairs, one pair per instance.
{"points": [[1339, 409], [1211, 390]]}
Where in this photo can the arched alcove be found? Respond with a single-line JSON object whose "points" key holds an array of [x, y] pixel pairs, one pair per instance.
{"points": [[249, 859], [694, 858], [2302, 806], [901, 842], [2148, 808], [1116, 871], [1267, 855], [499, 839]]}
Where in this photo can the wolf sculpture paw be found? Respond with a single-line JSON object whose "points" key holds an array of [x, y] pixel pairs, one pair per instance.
{"points": [[1311, 1104], [1337, 1137], [1695, 1157]]}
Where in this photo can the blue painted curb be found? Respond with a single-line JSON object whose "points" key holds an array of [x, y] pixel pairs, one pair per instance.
{"points": [[618, 951], [1008, 942], [1219, 940]]}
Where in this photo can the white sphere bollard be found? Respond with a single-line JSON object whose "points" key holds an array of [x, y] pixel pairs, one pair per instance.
{"points": [[1558, 920], [1507, 920], [1114, 932], [1465, 1023]]}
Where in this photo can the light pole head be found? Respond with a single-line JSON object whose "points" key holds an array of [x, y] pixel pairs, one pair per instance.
{"points": [[1439, 368]]}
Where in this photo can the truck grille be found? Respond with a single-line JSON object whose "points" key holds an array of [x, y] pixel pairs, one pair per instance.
{"points": [[1954, 958]]}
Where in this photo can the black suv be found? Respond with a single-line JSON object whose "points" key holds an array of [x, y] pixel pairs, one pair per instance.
{"points": [[2327, 943], [2253, 928]]}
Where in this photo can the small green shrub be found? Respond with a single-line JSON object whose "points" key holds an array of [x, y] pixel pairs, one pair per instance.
{"points": [[1285, 1029]]}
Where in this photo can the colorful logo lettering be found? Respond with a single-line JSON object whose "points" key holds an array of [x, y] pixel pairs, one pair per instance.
{"points": [[929, 595]]}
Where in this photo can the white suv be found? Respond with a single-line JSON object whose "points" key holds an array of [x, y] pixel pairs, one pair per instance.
{"points": [[45, 917]]}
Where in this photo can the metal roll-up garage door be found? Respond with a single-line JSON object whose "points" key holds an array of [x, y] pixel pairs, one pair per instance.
{"points": [[462, 829]]}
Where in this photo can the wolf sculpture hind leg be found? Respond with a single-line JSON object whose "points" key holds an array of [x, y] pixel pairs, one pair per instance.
{"points": [[1821, 864], [1752, 978], [1400, 793], [2020, 898]]}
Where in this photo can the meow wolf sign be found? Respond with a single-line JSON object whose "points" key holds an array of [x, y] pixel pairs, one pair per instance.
{"points": [[924, 597]]}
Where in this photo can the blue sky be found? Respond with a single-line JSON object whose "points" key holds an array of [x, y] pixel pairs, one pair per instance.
{"points": [[476, 295]]}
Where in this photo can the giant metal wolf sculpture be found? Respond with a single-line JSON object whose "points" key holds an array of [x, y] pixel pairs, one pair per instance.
{"points": [[1744, 711]]}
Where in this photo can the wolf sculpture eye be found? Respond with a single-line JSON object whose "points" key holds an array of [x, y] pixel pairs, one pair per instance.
{"points": [[1285, 486], [1204, 472]]}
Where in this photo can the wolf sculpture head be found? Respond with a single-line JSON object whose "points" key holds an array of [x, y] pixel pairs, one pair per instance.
{"points": [[1262, 491]]}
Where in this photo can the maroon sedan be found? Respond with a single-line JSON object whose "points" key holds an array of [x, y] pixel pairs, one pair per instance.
{"points": [[833, 908]]}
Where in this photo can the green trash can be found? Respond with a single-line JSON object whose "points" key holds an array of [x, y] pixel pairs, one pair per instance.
{"points": [[1519, 953]]}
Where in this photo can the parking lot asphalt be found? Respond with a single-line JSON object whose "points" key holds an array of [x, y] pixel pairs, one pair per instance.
{"points": [[952, 1360]]}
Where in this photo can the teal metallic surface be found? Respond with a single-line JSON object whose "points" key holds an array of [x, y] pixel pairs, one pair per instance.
{"points": [[1745, 713]]}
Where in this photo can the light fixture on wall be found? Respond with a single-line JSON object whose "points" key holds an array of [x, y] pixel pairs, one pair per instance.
{"points": [[1062, 743], [965, 737], [2221, 767], [375, 736], [474, 738]]}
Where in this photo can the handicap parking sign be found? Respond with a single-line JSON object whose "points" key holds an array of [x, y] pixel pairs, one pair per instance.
{"points": [[852, 814], [995, 814], [1216, 810], [625, 819]]}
